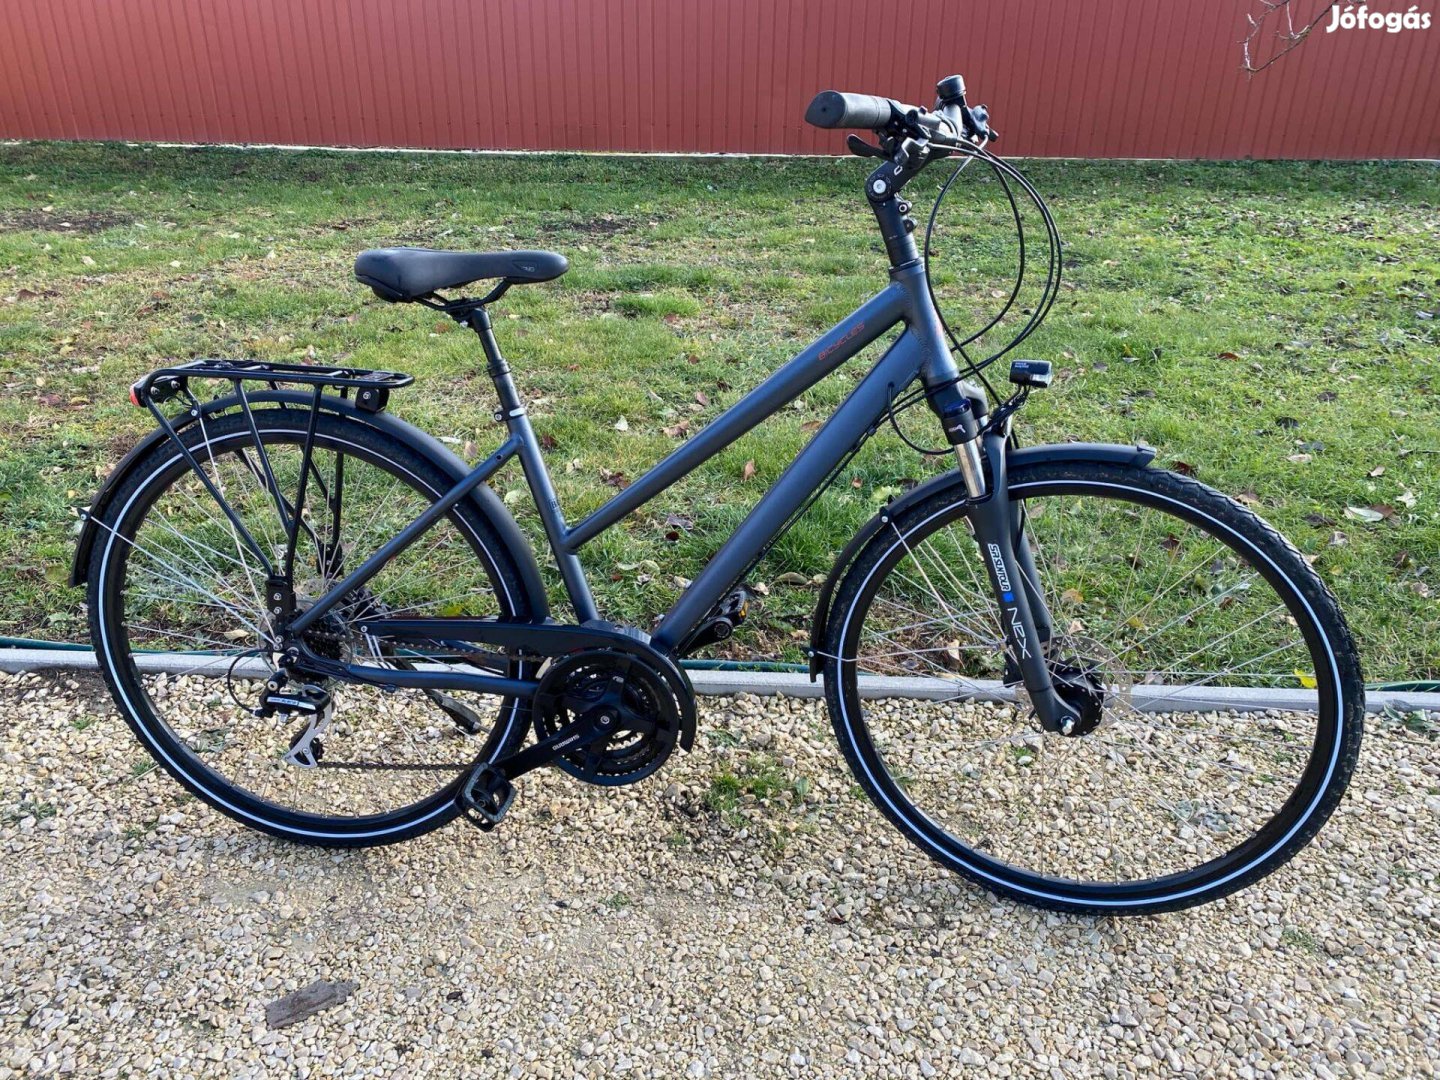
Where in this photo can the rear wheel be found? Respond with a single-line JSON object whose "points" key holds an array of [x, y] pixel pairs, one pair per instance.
{"points": [[171, 574], [1225, 684]]}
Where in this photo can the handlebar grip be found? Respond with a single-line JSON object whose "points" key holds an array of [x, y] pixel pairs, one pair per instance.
{"points": [[832, 109]]}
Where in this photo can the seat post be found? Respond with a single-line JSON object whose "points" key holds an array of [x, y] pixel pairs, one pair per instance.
{"points": [[479, 321]]}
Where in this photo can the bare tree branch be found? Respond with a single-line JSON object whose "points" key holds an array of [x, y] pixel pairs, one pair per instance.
{"points": [[1277, 16]]}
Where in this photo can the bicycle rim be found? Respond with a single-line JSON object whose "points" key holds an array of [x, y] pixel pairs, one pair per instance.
{"points": [[1187, 614], [174, 575]]}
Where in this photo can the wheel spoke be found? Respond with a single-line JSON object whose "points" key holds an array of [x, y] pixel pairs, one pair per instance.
{"points": [[191, 584], [1173, 778]]}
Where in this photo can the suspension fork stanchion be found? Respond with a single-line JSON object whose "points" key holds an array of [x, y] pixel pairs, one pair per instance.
{"points": [[992, 516]]}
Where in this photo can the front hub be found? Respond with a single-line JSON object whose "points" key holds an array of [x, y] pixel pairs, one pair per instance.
{"points": [[1081, 689]]}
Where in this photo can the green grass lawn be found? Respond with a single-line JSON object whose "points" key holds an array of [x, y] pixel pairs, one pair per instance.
{"points": [[1273, 327]]}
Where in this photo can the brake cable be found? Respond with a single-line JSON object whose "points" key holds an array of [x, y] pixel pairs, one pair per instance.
{"points": [[1051, 287]]}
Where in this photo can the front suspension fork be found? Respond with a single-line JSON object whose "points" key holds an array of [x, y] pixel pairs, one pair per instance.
{"points": [[1009, 564]]}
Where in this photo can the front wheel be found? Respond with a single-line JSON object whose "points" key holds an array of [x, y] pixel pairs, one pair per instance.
{"points": [[1223, 685]]}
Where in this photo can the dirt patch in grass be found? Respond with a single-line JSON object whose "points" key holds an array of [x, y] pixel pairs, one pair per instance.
{"points": [[598, 224], [85, 221]]}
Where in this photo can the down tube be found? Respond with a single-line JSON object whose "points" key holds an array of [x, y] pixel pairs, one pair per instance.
{"points": [[864, 406]]}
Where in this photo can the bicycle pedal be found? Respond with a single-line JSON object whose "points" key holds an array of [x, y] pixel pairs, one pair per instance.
{"points": [[485, 797], [722, 621]]}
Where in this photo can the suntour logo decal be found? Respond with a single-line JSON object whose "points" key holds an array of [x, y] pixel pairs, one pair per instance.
{"points": [[1000, 573]]}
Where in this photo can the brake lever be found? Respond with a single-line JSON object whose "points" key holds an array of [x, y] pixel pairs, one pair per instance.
{"points": [[860, 148], [979, 118]]}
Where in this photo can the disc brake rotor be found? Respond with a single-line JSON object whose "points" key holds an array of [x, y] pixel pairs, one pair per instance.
{"points": [[1088, 678]]}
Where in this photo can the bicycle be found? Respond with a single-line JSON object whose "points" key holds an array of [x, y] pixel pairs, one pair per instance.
{"points": [[1079, 680]]}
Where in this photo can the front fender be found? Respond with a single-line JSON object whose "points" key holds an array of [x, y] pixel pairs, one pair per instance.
{"points": [[1015, 458], [423, 443]]}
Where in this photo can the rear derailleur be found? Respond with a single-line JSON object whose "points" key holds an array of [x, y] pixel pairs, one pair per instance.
{"points": [[311, 701]]}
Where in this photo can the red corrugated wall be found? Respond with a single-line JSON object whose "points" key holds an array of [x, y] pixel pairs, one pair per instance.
{"points": [[1102, 78]]}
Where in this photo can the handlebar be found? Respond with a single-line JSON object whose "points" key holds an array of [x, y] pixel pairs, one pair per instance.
{"points": [[951, 118], [832, 109]]}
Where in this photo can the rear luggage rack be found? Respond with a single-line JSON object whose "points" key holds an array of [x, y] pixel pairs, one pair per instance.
{"points": [[372, 392], [372, 388]]}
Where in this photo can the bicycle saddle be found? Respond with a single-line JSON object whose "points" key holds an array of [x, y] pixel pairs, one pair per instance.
{"points": [[406, 273]]}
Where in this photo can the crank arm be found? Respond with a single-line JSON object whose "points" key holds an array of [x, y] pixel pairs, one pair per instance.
{"points": [[573, 736], [465, 718], [301, 658], [486, 794]]}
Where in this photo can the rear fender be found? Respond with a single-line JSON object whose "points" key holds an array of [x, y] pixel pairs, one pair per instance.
{"points": [[945, 482], [421, 442]]}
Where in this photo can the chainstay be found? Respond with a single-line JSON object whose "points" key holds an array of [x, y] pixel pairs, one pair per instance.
{"points": [[373, 766]]}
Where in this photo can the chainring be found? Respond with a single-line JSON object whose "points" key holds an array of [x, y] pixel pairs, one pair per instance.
{"points": [[648, 723]]}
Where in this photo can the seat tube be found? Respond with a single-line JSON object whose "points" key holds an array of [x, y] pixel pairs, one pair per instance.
{"points": [[537, 477]]}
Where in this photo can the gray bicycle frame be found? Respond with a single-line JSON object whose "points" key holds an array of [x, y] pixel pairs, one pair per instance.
{"points": [[920, 351]]}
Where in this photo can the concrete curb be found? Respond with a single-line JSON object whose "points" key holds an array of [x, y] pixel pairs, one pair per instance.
{"points": [[787, 684]]}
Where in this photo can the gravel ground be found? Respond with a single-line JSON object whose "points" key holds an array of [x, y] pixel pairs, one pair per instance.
{"points": [[643, 932]]}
